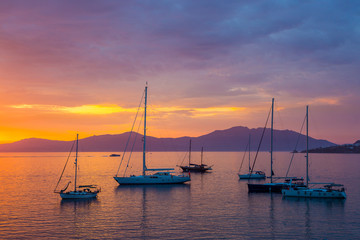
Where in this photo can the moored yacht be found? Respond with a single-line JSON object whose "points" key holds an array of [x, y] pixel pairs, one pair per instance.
{"points": [[79, 192], [193, 167], [254, 175], [251, 174], [273, 186], [161, 175], [329, 190]]}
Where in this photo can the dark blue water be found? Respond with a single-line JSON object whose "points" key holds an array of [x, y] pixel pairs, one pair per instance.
{"points": [[213, 206]]}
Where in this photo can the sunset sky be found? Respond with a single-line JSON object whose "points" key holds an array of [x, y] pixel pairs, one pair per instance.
{"points": [[81, 66]]}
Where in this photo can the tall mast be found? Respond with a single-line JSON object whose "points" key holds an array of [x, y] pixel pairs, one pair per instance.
{"points": [[307, 145], [249, 153], [202, 152], [271, 145], [144, 147], [76, 156], [189, 152]]}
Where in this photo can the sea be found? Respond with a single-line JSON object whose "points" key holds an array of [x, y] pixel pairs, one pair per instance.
{"points": [[214, 205]]}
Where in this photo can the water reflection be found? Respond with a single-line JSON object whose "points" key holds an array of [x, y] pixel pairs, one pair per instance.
{"points": [[272, 216], [313, 211], [143, 223], [328, 202], [213, 206], [307, 221], [75, 204], [151, 202], [158, 189]]}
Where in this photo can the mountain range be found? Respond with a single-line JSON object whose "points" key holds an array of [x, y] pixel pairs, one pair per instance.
{"points": [[345, 148], [232, 139]]}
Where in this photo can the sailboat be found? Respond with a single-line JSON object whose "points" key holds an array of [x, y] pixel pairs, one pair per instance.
{"points": [[273, 186], [252, 174], [161, 175], [192, 167], [330, 190], [79, 192]]}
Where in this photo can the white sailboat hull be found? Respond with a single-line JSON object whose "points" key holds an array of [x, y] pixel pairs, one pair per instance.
{"points": [[80, 192], [152, 179], [78, 195], [157, 178], [251, 176], [306, 192], [313, 193]]}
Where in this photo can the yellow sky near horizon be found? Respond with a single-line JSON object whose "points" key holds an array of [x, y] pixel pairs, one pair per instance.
{"points": [[63, 122], [54, 122]]}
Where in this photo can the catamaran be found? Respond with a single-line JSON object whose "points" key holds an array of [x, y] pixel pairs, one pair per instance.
{"points": [[329, 190], [79, 192], [161, 175], [193, 167]]}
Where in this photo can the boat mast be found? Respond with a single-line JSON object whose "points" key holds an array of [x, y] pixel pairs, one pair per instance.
{"points": [[76, 156], [271, 145], [189, 152], [249, 154], [202, 152], [307, 146], [144, 146]]}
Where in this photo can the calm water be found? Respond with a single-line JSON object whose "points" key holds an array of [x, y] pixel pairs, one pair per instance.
{"points": [[213, 206]]}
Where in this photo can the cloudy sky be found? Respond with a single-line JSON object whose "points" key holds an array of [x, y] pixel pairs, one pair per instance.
{"points": [[81, 66]]}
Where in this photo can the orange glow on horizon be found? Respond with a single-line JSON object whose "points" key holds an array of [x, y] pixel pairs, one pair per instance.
{"points": [[61, 122], [84, 109], [113, 108], [56, 122]]}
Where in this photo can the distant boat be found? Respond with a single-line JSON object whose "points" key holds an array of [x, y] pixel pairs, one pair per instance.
{"points": [[192, 167], [114, 155], [273, 186], [251, 174], [329, 190], [79, 192], [162, 176]]}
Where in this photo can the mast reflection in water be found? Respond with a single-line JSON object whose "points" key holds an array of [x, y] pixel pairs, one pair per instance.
{"points": [[215, 205]]}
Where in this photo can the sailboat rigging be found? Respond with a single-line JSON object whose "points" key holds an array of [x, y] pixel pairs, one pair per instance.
{"points": [[162, 175], [330, 190], [192, 167], [251, 174], [79, 192], [273, 186]]}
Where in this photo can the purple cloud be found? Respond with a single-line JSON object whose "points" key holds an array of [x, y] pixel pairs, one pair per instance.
{"points": [[197, 53]]}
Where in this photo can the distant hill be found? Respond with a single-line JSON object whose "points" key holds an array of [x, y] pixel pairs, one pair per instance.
{"points": [[233, 139], [346, 148]]}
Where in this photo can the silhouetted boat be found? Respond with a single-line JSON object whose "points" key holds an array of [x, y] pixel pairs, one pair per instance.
{"points": [[329, 190], [79, 192], [163, 176], [274, 186], [114, 155], [192, 167]]}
